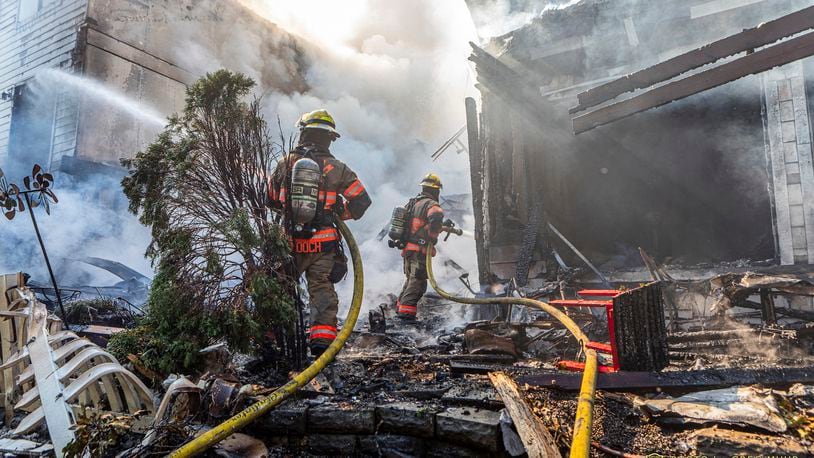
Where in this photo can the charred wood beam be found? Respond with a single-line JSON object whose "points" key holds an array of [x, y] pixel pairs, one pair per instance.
{"points": [[422, 395], [476, 173], [767, 312], [471, 401], [473, 367], [659, 273], [701, 336], [692, 356], [443, 359], [627, 381], [706, 345], [789, 312], [759, 61], [528, 243], [749, 39]]}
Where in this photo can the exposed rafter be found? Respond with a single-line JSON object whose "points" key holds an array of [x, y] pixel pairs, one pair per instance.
{"points": [[749, 39], [757, 62]]}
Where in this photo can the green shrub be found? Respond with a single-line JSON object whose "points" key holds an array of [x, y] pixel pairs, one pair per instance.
{"points": [[201, 187]]}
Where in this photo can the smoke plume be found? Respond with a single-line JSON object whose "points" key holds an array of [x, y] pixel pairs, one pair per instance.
{"points": [[394, 76], [498, 17], [80, 225], [91, 217]]}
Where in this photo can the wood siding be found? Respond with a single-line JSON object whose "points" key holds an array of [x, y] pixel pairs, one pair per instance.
{"points": [[48, 39]]}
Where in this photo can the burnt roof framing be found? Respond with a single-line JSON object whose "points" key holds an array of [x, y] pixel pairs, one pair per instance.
{"points": [[749, 39], [759, 61]]}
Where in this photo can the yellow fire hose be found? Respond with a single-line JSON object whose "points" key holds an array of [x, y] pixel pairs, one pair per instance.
{"points": [[253, 412], [581, 442]]}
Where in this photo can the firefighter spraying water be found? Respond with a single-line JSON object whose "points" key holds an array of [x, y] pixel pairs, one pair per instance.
{"points": [[414, 228]]}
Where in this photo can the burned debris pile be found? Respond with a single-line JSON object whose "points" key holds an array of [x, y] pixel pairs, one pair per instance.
{"points": [[425, 390], [577, 340], [693, 365]]}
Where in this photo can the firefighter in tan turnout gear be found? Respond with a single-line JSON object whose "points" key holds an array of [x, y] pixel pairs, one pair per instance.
{"points": [[312, 188], [423, 221]]}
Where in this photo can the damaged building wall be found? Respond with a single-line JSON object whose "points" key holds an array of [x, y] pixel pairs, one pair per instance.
{"points": [[150, 51], [123, 67], [34, 34], [689, 182], [789, 131]]}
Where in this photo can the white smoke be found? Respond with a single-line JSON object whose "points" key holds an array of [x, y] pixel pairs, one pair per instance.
{"points": [[91, 218], [394, 75], [494, 18], [80, 225]]}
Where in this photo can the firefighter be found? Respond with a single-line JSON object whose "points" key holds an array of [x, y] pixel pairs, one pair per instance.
{"points": [[316, 246], [426, 220]]}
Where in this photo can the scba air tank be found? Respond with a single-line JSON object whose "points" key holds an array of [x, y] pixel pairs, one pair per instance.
{"points": [[305, 180], [398, 226]]}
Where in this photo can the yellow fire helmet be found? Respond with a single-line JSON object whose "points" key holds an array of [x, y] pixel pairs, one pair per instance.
{"points": [[432, 180], [318, 119]]}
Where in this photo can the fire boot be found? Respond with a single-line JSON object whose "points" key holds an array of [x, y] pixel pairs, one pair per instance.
{"points": [[269, 353], [406, 312], [407, 318], [317, 349]]}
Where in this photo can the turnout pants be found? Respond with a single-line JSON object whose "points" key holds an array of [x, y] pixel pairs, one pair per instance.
{"points": [[415, 269], [324, 303]]}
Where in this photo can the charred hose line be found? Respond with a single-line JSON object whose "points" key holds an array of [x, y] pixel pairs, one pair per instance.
{"points": [[581, 442], [255, 411]]}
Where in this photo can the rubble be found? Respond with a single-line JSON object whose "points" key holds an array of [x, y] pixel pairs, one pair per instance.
{"points": [[616, 425], [739, 406], [386, 397], [482, 342], [46, 362], [715, 441]]}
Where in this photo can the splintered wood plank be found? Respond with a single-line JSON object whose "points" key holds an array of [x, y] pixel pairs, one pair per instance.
{"points": [[112, 393], [532, 432], [753, 38], [759, 61]]}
